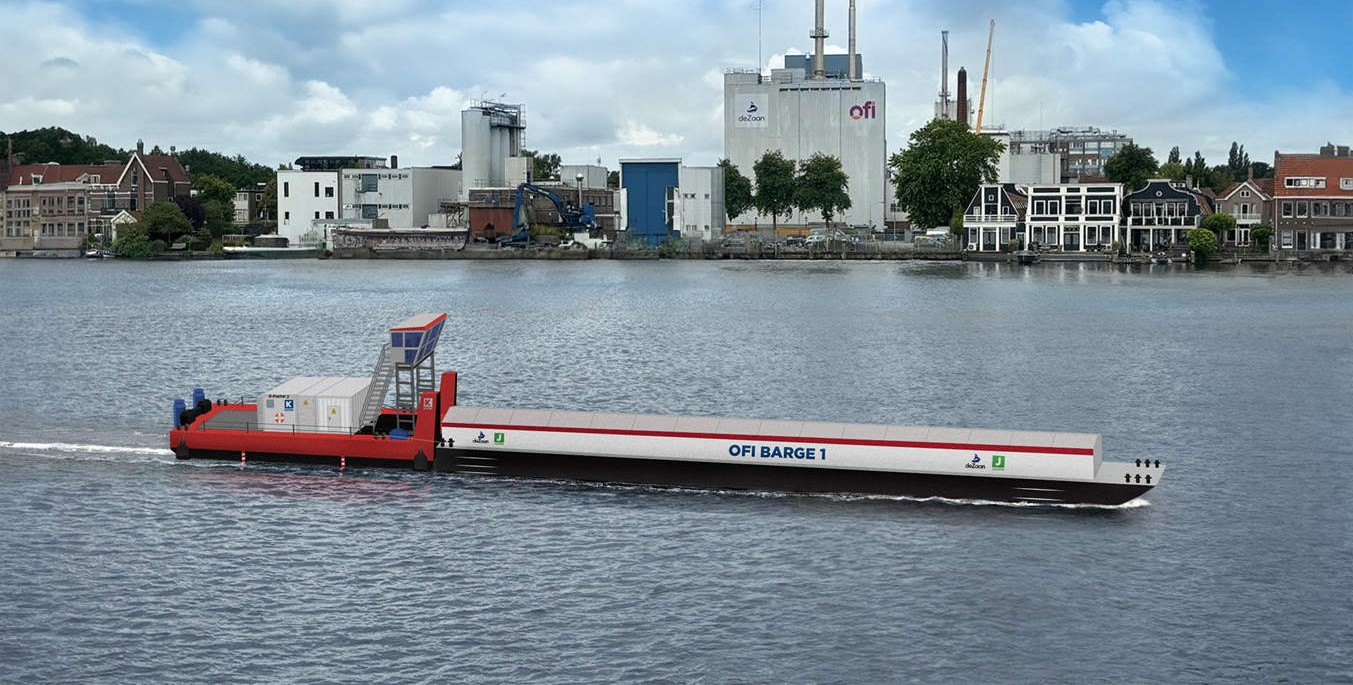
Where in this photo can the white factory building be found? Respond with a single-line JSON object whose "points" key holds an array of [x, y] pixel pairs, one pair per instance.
{"points": [[818, 105], [361, 189]]}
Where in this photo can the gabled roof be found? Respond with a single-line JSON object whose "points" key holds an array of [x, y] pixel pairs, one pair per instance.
{"points": [[1254, 184], [22, 174], [151, 166], [1327, 167]]}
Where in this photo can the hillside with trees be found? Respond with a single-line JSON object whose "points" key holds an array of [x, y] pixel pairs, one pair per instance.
{"points": [[59, 146]]}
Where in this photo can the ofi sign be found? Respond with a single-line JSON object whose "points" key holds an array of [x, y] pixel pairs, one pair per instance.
{"points": [[866, 111]]}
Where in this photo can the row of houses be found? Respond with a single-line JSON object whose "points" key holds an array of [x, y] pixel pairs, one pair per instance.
{"points": [[51, 209], [1308, 204]]}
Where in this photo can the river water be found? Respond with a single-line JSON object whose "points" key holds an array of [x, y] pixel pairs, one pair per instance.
{"points": [[119, 564]]}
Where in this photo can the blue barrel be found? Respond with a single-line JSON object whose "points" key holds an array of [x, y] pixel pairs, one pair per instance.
{"points": [[198, 395], [179, 408]]}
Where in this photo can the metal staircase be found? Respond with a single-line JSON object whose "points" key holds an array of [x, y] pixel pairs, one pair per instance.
{"points": [[381, 378]]}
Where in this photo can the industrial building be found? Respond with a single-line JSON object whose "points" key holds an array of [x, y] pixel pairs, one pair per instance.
{"points": [[491, 139], [1081, 152], [807, 108], [324, 190], [667, 200]]}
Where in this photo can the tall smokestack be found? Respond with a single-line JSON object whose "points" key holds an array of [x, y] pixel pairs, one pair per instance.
{"points": [[963, 96], [850, 65], [818, 35], [944, 76]]}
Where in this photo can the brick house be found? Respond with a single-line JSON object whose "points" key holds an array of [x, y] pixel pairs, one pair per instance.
{"points": [[1313, 201]]}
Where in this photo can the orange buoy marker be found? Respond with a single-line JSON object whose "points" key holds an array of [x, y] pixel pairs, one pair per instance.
{"points": [[342, 463], [241, 458]]}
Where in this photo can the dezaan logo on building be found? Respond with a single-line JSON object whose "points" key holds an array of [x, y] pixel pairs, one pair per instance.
{"points": [[866, 111], [751, 111]]}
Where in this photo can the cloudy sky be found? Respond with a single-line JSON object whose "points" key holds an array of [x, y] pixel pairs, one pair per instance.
{"points": [[276, 79]]}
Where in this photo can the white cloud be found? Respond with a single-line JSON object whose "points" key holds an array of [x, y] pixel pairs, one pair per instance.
{"points": [[277, 79]]}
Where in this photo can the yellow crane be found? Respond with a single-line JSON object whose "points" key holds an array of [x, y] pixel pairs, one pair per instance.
{"points": [[982, 99]]}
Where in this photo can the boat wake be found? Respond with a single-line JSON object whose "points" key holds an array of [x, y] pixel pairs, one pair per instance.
{"points": [[91, 452]]}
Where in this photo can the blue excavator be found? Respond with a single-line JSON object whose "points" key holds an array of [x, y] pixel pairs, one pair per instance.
{"points": [[571, 216]]}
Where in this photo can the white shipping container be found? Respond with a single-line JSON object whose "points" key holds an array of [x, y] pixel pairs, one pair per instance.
{"points": [[339, 405], [313, 403], [277, 408]]}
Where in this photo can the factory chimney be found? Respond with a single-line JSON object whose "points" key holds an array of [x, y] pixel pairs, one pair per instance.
{"points": [[850, 64], [963, 96], [818, 35]]}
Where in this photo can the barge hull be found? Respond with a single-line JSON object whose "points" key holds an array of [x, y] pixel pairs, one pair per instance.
{"points": [[707, 475]]}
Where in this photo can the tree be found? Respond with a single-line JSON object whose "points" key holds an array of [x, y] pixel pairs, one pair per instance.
{"points": [[1173, 171], [1238, 162], [220, 217], [1196, 169], [1262, 169], [214, 189], [1132, 166], [1174, 156], [54, 144], [1203, 243], [543, 166], [164, 221], [737, 189], [1260, 235], [268, 204], [1220, 224], [192, 207], [774, 186], [133, 243], [821, 186], [613, 180], [237, 171], [941, 169]]}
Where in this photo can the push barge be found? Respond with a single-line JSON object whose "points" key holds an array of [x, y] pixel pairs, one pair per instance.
{"points": [[345, 421]]}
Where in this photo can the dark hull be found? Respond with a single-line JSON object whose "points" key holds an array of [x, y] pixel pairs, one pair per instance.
{"points": [[723, 476]]}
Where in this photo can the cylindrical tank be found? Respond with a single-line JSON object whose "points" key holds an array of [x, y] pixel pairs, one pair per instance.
{"points": [[198, 395], [179, 407]]}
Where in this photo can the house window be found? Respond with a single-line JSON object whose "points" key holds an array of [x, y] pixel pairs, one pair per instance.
{"points": [[286, 216], [328, 191], [316, 215], [1287, 239], [1346, 184], [368, 184], [1319, 209], [286, 188], [328, 215], [1287, 209], [1244, 193], [1304, 182], [1301, 208], [316, 189]]}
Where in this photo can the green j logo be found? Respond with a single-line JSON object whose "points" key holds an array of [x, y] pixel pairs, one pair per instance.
{"points": [[497, 438], [998, 462]]}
